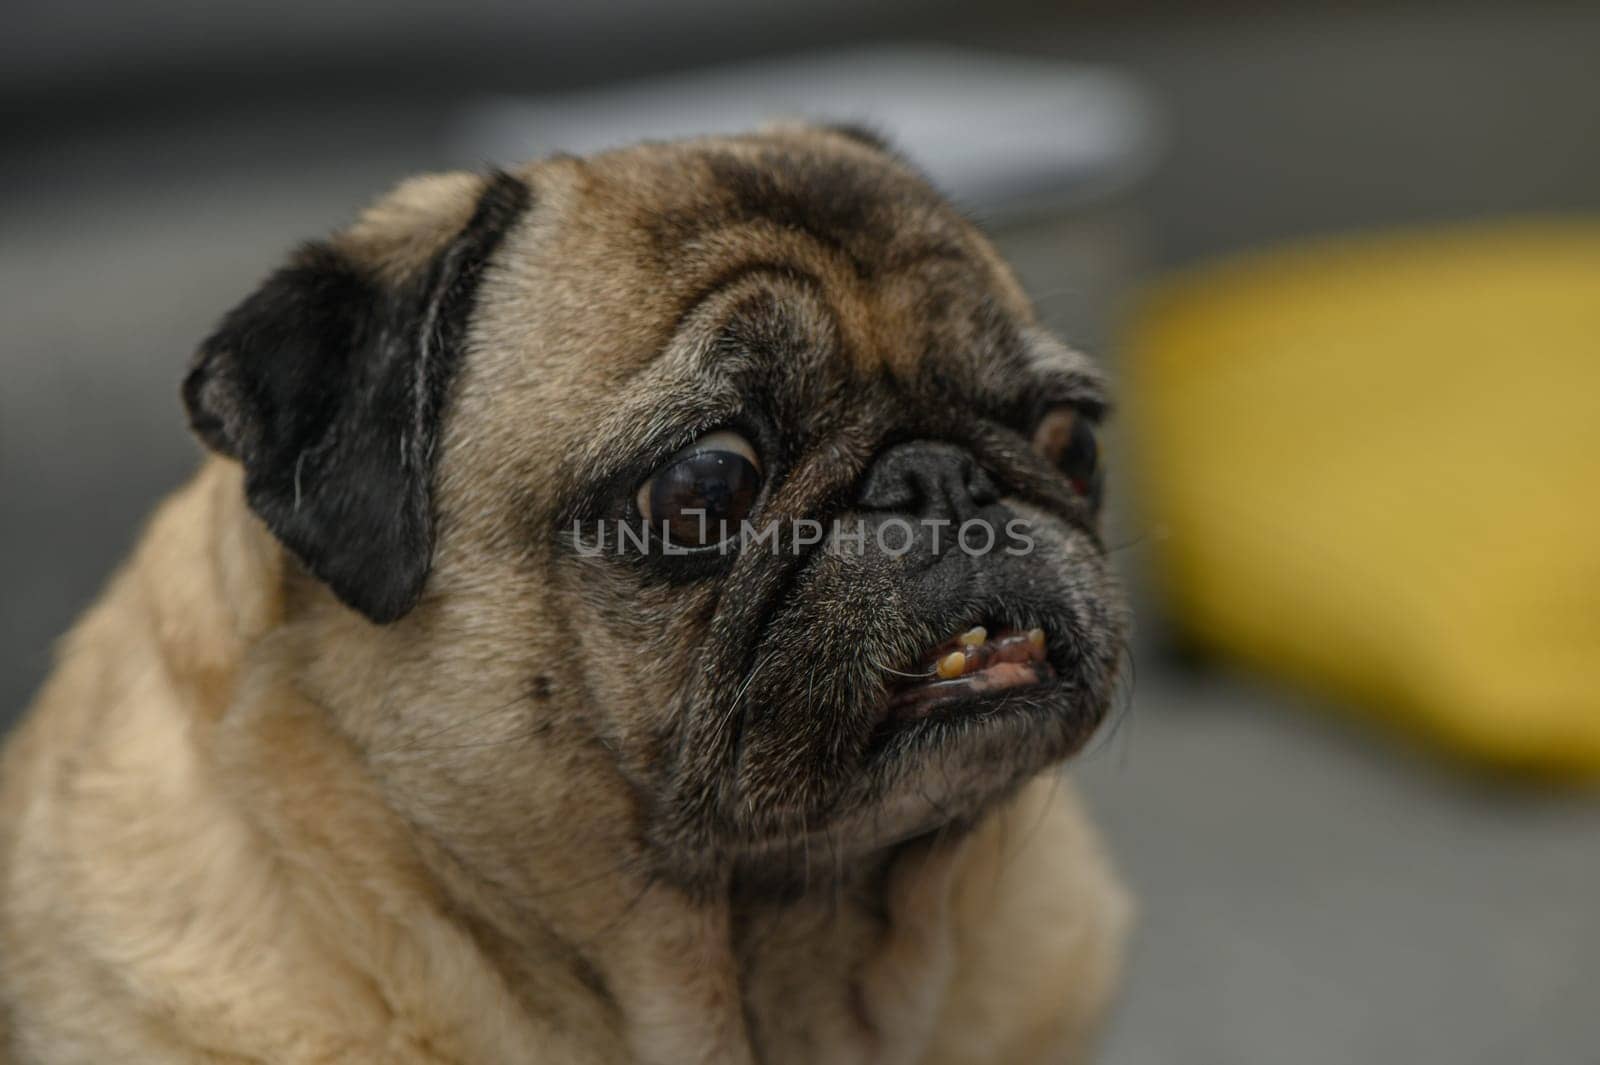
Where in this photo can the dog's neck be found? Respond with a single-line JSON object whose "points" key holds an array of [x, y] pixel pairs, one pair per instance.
{"points": [[594, 958], [823, 974]]}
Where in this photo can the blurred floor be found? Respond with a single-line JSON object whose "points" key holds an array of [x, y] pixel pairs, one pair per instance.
{"points": [[1308, 896]]}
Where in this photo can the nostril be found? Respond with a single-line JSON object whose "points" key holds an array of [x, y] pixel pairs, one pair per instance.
{"points": [[980, 489], [891, 484], [929, 479]]}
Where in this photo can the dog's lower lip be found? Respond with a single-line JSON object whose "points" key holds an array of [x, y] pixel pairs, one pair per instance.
{"points": [[973, 663]]}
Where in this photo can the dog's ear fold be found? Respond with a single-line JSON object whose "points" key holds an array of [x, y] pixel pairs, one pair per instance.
{"points": [[328, 384]]}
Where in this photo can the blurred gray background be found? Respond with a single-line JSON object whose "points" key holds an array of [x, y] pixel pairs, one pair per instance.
{"points": [[1310, 893]]}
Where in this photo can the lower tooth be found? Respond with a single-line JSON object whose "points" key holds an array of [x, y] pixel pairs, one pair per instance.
{"points": [[952, 665]]}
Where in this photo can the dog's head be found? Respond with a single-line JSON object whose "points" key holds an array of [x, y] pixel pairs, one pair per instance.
{"points": [[719, 500]]}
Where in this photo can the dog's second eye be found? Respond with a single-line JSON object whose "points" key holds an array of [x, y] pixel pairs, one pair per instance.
{"points": [[702, 493], [1065, 438]]}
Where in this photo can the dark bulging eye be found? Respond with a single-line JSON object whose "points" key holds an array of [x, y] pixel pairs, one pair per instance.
{"points": [[699, 496], [1066, 438]]}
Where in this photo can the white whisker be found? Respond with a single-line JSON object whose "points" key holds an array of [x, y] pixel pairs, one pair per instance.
{"points": [[912, 676]]}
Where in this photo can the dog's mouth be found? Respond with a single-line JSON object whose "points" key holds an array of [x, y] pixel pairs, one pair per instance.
{"points": [[970, 664], [957, 726]]}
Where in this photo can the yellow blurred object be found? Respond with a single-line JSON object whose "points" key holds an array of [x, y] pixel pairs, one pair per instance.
{"points": [[1376, 462]]}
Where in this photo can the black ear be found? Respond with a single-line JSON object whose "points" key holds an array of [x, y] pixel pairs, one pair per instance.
{"points": [[328, 385]]}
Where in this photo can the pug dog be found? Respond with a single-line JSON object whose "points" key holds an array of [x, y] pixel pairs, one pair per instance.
{"points": [[635, 610]]}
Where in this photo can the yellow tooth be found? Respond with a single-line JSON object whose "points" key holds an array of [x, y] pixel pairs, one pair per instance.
{"points": [[1036, 638], [952, 665], [974, 636]]}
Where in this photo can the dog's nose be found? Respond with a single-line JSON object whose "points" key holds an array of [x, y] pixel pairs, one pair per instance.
{"points": [[927, 479]]}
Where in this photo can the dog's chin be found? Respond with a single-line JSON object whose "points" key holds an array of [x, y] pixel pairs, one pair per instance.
{"points": [[935, 775], [947, 767]]}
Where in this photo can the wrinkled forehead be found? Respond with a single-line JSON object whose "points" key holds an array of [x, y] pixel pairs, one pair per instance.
{"points": [[853, 216], [655, 231]]}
